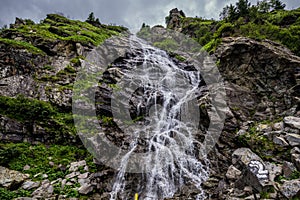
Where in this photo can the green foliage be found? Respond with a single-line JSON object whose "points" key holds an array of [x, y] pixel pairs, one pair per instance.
{"points": [[38, 158], [6, 194], [56, 27], [24, 109], [22, 45], [260, 144], [55, 121], [212, 45], [167, 44]]}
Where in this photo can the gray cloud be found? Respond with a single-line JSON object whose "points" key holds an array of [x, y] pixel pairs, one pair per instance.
{"points": [[129, 13]]}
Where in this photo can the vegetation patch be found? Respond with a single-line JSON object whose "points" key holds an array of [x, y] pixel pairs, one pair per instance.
{"points": [[21, 45]]}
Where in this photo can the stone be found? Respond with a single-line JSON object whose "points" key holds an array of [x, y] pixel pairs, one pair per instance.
{"points": [[28, 185], [274, 170], [296, 160], [291, 121], [254, 170], [293, 139], [72, 175], [280, 141], [233, 173], [288, 168], [26, 167], [75, 165], [83, 176], [278, 126], [290, 188], [11, 178], [85, 189]]}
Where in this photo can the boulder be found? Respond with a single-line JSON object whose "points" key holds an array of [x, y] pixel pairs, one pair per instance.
{"points": [[233, 173], [293, 139], [85, 189], [11, 178], [28, 185], [254, 170], [291, 188], [293, 122]]}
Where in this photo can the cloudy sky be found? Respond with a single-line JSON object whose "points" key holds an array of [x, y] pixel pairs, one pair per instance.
{"points": [[129, 13]]}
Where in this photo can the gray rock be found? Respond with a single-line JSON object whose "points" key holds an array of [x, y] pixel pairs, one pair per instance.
{"points": [[11, 178], [26, 167], [75, 165], [254, 170], [83, 176], [274, 170], [85, 189], [72, 175], [278, 126], [233, 173], [28, 185], [280, 141], [288, 168], [293, 122], [296, 160], [293, 139], [290, 188]]}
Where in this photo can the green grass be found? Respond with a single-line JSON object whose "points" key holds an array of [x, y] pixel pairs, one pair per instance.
{"points": [[56, 27], [56, 121], [16, 156], [22, 45]]}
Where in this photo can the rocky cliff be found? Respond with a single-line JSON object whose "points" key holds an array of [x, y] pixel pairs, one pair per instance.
{"points": [[257, 155]]}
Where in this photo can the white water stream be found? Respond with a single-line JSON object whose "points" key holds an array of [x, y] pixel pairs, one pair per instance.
{"points": [[170, 125]]}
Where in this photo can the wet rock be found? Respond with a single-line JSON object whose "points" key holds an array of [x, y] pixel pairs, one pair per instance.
{"points": [[291, 188], [10, 178]]}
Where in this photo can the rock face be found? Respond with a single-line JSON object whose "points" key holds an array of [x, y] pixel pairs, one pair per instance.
{"points": [[261, 78], [174, 19]]}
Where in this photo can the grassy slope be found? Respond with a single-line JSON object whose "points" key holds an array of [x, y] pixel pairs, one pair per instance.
{"points": [[281, 26]]}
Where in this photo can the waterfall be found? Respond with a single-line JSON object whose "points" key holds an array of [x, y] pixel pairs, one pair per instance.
{"points": [[167, 118]]}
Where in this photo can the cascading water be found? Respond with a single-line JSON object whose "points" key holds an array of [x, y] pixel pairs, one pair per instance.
{"points": [[163, 106]]}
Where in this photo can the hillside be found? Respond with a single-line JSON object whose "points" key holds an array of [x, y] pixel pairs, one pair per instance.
{"points": [[256, 52]]}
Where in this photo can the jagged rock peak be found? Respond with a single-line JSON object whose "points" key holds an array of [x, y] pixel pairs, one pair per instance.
{"points": [[174, 19]]}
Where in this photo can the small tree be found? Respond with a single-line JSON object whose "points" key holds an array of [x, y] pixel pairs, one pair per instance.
{"points": [[277, 4], [91, 17], [92, 20]]}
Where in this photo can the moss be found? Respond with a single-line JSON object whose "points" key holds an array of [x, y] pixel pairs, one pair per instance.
{"points": [[261, 145], [167, 44], [6, 194], [212, 45], [55, 121], [21, 45], [56, 27], [180, 58]]}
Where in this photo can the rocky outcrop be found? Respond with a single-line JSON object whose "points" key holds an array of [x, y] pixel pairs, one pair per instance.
{"points": [[174, 19], [11, 179]]}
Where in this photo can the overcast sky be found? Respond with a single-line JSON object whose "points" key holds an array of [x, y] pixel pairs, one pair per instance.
{"points": [[129, 13]]}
